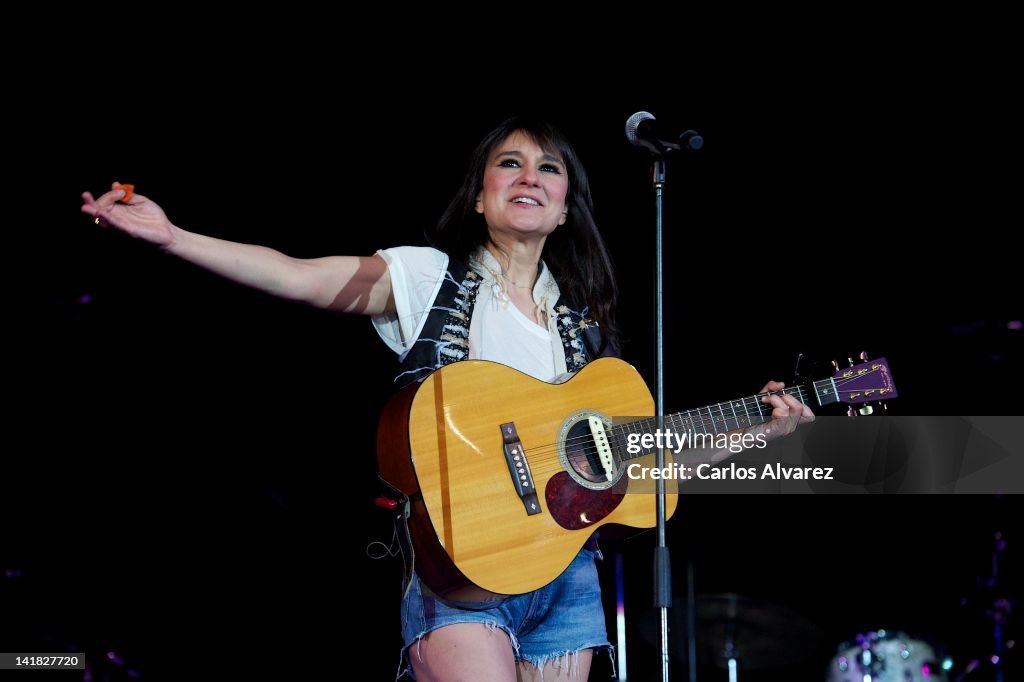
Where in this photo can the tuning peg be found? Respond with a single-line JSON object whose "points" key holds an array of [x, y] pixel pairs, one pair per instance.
{"points": [[884, 406], [835, 365], [867, 410], [863, 356], [852, 363], [850, 412]]}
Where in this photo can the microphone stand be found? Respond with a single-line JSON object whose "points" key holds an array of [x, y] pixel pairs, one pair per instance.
{"points": [[689, 140], [692, 141], [662, 558]]}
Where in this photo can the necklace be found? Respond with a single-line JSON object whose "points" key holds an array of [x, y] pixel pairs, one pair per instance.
{"points": [[501, 280], [517, 285]]}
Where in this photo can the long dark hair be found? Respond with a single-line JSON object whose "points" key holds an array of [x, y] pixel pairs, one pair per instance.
{"points": [[574, 252]]}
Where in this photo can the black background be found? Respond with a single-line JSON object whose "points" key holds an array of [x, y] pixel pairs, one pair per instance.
{"points": [[190, 469]]}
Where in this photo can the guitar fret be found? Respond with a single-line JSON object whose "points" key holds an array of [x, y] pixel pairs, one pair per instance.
{"points": [[705, 420], [648, 427], [825, 392], [631, 426]]}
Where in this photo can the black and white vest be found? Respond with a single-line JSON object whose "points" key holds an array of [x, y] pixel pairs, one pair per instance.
{"points": [[444, 337]]}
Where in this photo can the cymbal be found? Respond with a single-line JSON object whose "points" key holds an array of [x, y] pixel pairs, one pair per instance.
{"points": [[760, 634]]}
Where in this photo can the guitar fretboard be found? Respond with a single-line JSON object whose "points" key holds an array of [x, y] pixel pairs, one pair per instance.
{"points": [[712, 420]]}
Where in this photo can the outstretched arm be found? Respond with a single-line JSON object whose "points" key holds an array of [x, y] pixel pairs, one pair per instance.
{"points": [[345, 283]]}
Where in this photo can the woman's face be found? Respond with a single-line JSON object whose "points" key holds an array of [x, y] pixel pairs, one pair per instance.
{"points": [[524, 189]]}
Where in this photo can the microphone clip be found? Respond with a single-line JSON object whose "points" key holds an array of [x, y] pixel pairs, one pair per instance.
{"points": [[643, 130]]}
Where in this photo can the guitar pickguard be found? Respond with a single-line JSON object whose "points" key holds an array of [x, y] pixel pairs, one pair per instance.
{"points": [[574, 507]]}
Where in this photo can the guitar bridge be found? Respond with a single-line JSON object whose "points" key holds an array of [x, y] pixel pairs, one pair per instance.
{"points": [[519, 469]]}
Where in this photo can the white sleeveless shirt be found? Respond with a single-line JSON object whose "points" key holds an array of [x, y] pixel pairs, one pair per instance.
{"points": [[498, 330]]}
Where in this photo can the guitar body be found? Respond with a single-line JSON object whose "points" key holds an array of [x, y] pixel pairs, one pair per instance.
{"points": [[446, 444]]}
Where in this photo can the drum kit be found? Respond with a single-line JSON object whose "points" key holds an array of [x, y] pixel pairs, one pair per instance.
{"points": [[882, 655], [745, 637]]}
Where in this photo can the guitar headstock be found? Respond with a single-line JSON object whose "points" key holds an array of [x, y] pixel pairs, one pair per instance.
{"points": [[858, 384]]}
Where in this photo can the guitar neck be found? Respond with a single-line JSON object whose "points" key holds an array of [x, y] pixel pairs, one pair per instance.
{"points": [[712, 420], [853, 385]]}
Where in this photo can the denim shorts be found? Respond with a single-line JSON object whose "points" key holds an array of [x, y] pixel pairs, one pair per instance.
{"points": [[561, 618]]}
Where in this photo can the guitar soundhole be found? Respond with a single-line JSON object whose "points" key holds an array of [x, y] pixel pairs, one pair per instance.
{"points": [[582, 453]]}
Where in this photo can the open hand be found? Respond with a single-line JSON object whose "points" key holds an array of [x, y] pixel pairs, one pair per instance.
{"points": [[138, 217]]}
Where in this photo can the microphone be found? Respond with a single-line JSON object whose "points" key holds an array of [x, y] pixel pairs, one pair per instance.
{"points": [[643, 130]]}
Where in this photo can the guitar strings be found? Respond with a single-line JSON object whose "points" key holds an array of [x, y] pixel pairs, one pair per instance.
{"points": [[724, 419], [695, 415], [542, 464], [547, 466]]}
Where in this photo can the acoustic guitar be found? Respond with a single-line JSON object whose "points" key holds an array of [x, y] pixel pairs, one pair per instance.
{"points": [[507, 477]]}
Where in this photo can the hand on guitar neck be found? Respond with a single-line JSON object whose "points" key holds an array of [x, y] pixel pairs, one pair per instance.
{"points": [[787, 412]]}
